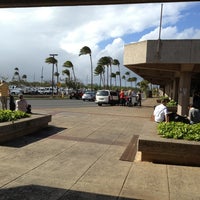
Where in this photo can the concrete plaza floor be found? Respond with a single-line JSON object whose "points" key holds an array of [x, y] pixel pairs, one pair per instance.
{"points": [[78, 157]]}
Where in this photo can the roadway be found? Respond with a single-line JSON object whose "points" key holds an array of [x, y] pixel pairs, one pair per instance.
{"points": [[59, 103]]}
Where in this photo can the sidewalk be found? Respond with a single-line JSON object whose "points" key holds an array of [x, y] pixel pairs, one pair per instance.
{"points": [[78, 158]]}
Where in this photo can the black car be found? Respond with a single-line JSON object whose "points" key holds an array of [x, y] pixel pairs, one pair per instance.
{"points": [[76, 95]]}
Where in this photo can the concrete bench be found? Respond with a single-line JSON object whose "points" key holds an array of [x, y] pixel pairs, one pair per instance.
{"points": [[10, 130]]}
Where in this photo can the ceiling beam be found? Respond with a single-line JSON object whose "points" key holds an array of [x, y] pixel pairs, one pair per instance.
{"points": [[39, 3]]}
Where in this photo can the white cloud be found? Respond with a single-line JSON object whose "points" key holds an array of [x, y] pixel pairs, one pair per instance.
{"points": [[29, 35], [172, 33]]}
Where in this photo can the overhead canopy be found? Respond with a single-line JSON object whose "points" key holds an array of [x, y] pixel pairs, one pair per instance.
{"points": [[160, 61], [37, 3]]}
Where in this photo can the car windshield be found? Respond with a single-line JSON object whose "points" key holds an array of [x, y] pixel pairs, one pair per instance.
{"points": [[102, 93], [113, 93], [89, 92]]}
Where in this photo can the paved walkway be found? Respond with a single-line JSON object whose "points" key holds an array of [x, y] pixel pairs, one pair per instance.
{"points": [[78, 158]]}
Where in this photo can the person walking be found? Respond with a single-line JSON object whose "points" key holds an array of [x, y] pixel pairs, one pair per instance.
{"points": [[4, 93]]}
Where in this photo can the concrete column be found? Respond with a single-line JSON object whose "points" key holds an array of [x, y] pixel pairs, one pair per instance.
{"points": [[176, 89], [184, 92]]}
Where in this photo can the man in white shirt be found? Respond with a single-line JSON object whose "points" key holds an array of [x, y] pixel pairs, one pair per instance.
{"points": [[160, 112]]}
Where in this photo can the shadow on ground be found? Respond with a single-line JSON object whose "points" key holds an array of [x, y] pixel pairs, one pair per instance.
{"points": [[37, 192], [34, 137]]}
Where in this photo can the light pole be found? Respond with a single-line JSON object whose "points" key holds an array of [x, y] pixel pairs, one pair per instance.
{"points": [[52, 82]]}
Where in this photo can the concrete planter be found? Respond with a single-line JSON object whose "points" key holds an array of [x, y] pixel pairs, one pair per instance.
{"points": [[172, 109], [9, 130], [170, 151]]}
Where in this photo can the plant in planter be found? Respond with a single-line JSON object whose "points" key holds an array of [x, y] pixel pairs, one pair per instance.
{"points": [[161, 98], [172, 106], [8, 115], [179, 130]]}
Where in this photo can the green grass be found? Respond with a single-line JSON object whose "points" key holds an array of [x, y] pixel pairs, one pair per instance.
{"points": [[179, 130], [8, 115]]}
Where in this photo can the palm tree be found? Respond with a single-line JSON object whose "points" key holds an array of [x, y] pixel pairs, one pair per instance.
{"points": [[16, 76], [127, 74], [66, 72], [116, 62], [118, 74], [113, 75], [53, 61], [131, 80], [134, 79], [69, 64], [124, 77], [105, 61], [100, 71], [24, 77], [144, 85], [110, 64], [83, 51]]}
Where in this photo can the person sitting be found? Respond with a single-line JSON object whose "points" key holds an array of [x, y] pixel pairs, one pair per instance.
{"points": [[22, 105], [194, 114], [160, 112]]}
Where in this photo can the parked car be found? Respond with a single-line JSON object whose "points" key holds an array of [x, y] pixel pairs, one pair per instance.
{"points": [[106, 97], [15, 91], [89, 96], [75, 94]]}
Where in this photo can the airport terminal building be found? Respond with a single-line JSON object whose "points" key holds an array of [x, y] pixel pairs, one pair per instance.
{"points": [[172, 64]]}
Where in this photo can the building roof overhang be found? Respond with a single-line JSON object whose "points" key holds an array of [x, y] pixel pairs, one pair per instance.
{"points": [[38, 3], [160, 61]]}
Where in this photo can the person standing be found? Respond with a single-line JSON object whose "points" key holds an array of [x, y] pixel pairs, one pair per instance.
{"points": [[12, 102], [160, 112], [122, 98], [139, 98], [4, 93]]}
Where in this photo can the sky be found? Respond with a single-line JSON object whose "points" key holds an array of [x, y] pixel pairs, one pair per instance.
{"points": [[29, 35]]}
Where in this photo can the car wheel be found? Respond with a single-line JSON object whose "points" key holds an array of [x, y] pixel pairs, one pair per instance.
{"points": [[99, 104]]}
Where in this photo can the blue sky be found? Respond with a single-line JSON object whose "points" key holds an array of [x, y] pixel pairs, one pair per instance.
{"points": [[29, 35]]}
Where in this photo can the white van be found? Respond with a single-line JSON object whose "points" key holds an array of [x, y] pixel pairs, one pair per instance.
{"points": [[106, 97]]}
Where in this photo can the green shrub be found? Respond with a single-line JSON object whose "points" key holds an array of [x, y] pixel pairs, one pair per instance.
{"points": [[171, 103], [179, 130], [8, 115]]}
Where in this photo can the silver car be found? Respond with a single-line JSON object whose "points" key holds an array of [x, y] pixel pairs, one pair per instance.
{"points": [[89, 96]]}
